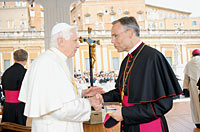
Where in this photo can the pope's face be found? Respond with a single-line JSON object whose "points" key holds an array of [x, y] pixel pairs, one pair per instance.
{"points": [[69, 47]]}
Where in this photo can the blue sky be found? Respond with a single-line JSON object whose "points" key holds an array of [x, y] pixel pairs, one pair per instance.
{"points": [[192, 6]]}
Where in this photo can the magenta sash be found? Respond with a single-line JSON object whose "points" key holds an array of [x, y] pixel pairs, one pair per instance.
{"points": [[153, 126], [11, 96]]}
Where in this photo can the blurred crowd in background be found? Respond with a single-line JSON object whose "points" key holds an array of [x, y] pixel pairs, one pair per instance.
{"points": [[102, 78]]}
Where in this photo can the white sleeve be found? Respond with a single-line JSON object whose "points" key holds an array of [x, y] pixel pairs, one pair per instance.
{"points": [[80, 93], [76, 110], [186, 82]]}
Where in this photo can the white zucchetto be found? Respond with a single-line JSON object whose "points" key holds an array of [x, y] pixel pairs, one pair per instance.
{"points": [[60, 27]]}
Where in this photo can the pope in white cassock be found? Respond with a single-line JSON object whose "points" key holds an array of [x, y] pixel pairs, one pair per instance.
{"points": [[49, 91]]}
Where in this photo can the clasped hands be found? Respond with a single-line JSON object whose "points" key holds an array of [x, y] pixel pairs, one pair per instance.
{"points": [[97, 102], [94, 94]]}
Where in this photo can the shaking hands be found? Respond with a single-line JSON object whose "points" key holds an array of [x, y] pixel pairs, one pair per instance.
{"points": [[96, 102], [95, 98], [92, 91]]}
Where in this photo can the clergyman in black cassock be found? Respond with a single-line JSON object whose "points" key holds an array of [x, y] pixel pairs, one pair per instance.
{"points": [[11, 82], [145, 86]]}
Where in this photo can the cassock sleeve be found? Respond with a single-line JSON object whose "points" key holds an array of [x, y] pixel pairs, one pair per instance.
{"points": [[75, 110], [146, 112], [112, 96]]}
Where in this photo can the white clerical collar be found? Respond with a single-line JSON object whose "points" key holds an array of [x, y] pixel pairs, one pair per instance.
{"points": [[59, 53], [135, 47]]}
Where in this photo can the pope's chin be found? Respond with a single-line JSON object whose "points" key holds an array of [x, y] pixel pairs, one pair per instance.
{"points": [[74, 54]]}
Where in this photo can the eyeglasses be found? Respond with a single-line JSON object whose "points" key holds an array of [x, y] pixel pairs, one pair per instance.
{"points": [[114, 36]]}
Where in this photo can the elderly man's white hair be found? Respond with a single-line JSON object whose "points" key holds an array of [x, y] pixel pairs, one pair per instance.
{"points": [[63, 30]]}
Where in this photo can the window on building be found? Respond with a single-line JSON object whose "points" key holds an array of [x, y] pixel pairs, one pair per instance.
{"points": [[139, 17], [14, 25], [42, 13], [6, 64], [160, 15], [10, 24], [181, 24], [161, 25], [106, 11], [150, 25], [166, 15], [74, 21], [79, 15], [42, 27], [22, 25], [115, 62], [170, 15], [181, 16], [126, 15], [32, 13], [194, 23], [87, 19], [112, 18], [3, 3], [33, 29], [119, 11], [97, 25], [32, 5], [23, 4], [169, 59], [173, 15], [87, 64], [175, 25], [32, 60], [153, 25], [18, 3]]}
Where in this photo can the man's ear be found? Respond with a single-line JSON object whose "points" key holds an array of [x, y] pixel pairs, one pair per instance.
{"points": [[131, 33], [60, 41]]}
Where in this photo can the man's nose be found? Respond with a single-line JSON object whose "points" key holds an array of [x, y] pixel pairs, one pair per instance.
{"points": [[77, 46]]}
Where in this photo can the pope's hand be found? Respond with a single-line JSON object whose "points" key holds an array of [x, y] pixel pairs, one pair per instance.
{"points": [[96, 102], [92, 91]]}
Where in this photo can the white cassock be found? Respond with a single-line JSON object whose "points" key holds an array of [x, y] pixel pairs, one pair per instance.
{"points": [[51, 99], [192, 74]]}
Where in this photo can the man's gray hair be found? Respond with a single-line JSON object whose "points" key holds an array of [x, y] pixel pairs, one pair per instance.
{"points": [[61, 30], [20, 55], [129, 23]]}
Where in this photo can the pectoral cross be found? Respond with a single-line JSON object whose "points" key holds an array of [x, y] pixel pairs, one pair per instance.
{"points": [[92, 51]]}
